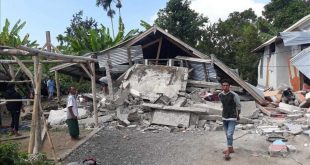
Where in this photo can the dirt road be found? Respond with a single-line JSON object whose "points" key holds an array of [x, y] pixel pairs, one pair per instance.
{"points": [[132, 147]]}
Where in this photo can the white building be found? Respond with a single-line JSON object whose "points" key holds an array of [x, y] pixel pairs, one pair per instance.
{"points": [[286, 61]]}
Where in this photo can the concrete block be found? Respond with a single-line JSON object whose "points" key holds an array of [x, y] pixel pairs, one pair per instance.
{"points": [[248, 108], [171, 118], [193, 119], [201, 123]]}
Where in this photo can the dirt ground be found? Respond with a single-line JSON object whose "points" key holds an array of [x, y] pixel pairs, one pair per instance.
{"points": [[60, 137], [130, 146]]}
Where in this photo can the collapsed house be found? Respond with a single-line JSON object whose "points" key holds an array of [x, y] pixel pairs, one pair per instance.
{"points": [[286, 58], [157, 47]]}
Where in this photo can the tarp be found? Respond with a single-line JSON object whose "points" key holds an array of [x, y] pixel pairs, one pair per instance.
{"points": [[302, 62], [295, 38]]}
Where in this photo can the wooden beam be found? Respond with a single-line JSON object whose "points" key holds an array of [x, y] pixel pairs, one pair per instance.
{"points": [[158, 49], [24, 81], [25, 69], [42, 61], [17, 72], [52, 55], [11, 70], [151, 43], [38, 77], [93, 89], [194, 59], [35, 114], [14, 52], [57, 88], [14, 100], [90, 75], [129, 56]]}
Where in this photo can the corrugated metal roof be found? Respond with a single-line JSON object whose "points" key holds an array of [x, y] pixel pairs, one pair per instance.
{"points": [[119, 55], [302, 62], [291, 28]]}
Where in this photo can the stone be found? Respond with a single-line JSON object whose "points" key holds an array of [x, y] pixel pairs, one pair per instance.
{"points": [[307, 132], [248, 108], [122, 115], [294, 128], [291, 148], [133, 115], [171, 118], [201, 123], [193, 119], [132, 126]]}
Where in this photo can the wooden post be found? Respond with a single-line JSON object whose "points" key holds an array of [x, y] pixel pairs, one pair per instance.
{"points": [[48, 41], [129, 56], [57, 88], [110, 84], [35, 111], [158, 50], [38, 77], [93, 89]]}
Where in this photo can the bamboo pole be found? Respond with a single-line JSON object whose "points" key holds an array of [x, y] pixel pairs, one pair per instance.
{"points": [[38, 77], [57, 88], [93, 87]]}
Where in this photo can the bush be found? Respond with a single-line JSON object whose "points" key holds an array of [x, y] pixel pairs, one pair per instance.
{"points": [[9, 154]]}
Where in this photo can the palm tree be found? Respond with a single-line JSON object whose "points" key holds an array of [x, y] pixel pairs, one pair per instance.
{"points": [[119, 6], [106, 4]]}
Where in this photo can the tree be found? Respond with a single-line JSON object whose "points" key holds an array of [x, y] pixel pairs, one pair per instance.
{"points": [[119, 6], [181, 21], [233, 40], [11, 37], [84, 36], [106, 5], [283, 13]]}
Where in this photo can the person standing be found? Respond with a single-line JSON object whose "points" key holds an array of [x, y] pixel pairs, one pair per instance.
{"points": [[14, 107], [72, 114], [230, 114], [50, 87]]}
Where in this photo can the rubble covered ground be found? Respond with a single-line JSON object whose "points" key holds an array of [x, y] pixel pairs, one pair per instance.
{"points": [[142, 125]]}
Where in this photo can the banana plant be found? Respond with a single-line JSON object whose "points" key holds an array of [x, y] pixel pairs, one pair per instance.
{"points": [[11, 37]]}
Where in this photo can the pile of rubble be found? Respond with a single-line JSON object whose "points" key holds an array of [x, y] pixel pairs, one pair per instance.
{"points": [[157, 98]]}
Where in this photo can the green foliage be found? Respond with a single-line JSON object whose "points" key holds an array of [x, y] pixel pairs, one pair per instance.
{"points": [[84, 36], [10, 154], [181, 21], [145, 25], [283, 13], [233, 40], [10, 37]]}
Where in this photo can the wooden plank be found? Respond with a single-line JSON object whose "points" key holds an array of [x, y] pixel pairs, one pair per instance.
{"points": [[263, 109], [13, 52], [52, 55], [11, 71], [158, 50], [194, 59]]}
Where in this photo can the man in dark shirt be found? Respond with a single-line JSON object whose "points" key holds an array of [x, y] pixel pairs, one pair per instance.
{"points": [[14, 107], [230, 114]]}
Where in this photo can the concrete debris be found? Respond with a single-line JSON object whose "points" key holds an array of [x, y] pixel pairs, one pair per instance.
{"points": [[294, 128], [170, 118], [122, 115]]}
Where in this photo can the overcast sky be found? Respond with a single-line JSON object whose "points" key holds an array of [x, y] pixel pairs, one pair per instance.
{"points": [[55, 15]]}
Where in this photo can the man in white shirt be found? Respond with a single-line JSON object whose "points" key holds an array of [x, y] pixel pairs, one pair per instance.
{"points": [[72, 114]]}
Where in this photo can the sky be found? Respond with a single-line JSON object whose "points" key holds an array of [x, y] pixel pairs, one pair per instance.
{"points": [[55, 15]]}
